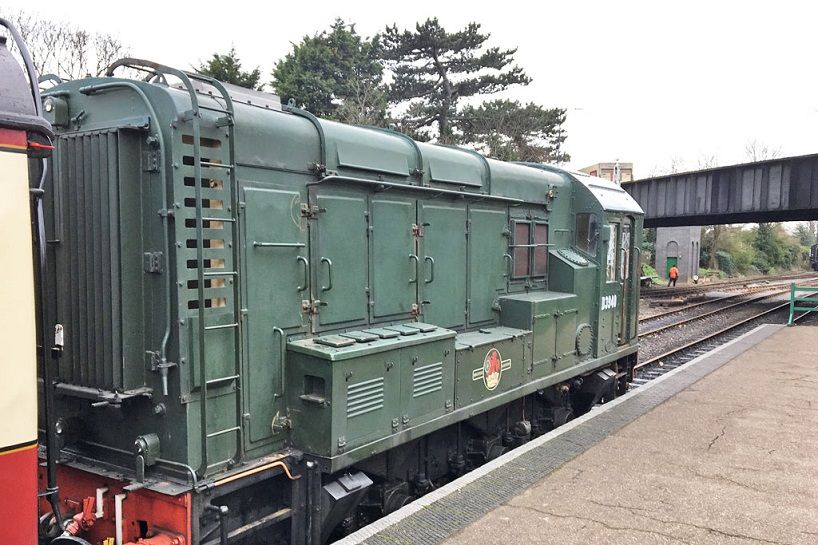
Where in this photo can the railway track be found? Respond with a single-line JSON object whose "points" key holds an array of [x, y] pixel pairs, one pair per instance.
{"points": [[656, 366], [663, 292], [665, 323]]}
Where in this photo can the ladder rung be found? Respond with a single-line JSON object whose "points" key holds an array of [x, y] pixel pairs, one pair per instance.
{"points": [[228, 220], [222, 432], [223, 326], [219, 273], [215, 165], [212, 109], [222, 379]]}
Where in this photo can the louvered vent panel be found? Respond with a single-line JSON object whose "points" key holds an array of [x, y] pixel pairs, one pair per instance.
{"points": [[364, 397], [427, 379]]}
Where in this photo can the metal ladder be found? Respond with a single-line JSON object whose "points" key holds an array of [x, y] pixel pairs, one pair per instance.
{"points": [[194, 116], [233, 275]]}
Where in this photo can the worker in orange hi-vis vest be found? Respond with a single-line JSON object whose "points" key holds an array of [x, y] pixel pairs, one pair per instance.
{"points": [[673, 273]]}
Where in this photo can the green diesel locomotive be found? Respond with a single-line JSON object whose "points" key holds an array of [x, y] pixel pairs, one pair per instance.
{"points": [[278, 328]]}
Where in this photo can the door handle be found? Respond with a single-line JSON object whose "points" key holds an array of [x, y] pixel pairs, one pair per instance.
{"points": [[509, 260], [431, 260], [303, 260], [413, 257], [328, 261]]}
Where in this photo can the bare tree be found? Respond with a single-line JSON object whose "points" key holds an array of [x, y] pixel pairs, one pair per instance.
{"points": [[759, 151], [63, 49], [366, 105], [676, 164], [707, 161]]}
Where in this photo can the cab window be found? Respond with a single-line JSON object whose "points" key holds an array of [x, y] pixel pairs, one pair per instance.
{"points": [[529, 249], [612, 246], [587, 233]]}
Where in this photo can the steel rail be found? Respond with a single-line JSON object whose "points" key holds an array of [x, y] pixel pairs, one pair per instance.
{"points": [[683, 290], [710, 313], [722, 331], [707, 302]]}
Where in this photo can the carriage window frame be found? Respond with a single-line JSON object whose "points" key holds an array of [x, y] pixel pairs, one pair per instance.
{"points": [[531, 249]]}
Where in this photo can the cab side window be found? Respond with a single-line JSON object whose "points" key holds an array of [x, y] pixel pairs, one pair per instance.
{"points": [[529, 249], [587, 233], [613, 244]]}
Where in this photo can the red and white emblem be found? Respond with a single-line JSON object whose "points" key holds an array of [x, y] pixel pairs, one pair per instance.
{"points": [[492, 369]]}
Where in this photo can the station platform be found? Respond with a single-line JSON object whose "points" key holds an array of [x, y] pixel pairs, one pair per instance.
{"points": [[723, 450]]}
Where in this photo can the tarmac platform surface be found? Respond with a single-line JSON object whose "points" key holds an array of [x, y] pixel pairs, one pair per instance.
{"points": [[723, 450]]}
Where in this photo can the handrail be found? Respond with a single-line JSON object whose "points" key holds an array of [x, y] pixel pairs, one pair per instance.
{"points": [[194, 116], [320, 168], [793, 300], [417, 188]]}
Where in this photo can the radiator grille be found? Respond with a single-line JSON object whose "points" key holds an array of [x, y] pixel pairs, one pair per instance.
{"points": [[427, 379], [364, 397], [88, 257]]}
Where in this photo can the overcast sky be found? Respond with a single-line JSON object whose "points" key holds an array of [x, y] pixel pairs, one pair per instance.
{"points": [[643, 82]]}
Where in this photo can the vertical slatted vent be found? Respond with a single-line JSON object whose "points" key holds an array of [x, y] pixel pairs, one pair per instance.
{"points": [[364, 397], [427, 379], [88, 258]]}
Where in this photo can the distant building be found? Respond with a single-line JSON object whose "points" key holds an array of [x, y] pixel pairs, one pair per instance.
{"points": [[615, 172], [679, 246]]}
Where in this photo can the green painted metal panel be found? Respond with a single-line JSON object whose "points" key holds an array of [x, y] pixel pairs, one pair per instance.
{"points": [[566, 321], [339, 259], [395, 265], [487, 267], [490, 362], [342, 397], [427, 381], [549, 315], [354, 155], [276, 281], [443, 287]]}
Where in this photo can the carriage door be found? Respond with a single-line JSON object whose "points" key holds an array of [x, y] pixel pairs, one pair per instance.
{"points": [[626, 275]]}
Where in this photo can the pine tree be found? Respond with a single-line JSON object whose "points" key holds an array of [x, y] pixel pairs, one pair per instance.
{"points": [[510, 131], [434, 70], [330, 70], [227, 68]]}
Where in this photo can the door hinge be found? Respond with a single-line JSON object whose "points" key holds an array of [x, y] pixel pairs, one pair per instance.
{"points": [[312, 306], [150, 161], [311, 212], [152, 262], [319, 169]]}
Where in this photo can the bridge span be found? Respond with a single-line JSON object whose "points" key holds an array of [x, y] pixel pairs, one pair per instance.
{"points": [[783, 189]]}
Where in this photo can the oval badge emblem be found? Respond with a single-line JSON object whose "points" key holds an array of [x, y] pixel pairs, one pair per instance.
{"points": [[492, 369]]}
